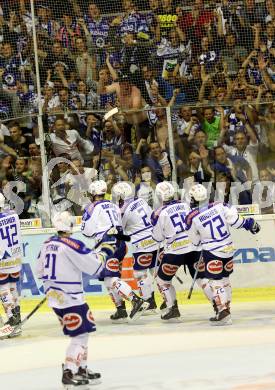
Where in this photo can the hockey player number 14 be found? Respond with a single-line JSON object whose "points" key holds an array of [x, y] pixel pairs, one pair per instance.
{"points": [[216, 225], [9, 233]]}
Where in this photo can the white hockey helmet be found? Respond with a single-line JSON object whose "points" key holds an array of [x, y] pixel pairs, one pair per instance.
{"points": [[2, 201], [63, 221], [198, 192], [122, 190], [165, 191], [98, 187]]}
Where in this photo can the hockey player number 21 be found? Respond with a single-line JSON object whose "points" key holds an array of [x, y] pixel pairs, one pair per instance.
{"points": [[50, 265], [216, 225]]}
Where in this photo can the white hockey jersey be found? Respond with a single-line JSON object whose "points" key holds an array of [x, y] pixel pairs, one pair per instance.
{"points": [[10, 243], [60, 264], [208, 226], [99, 217], [136, 222], [169, 225]]}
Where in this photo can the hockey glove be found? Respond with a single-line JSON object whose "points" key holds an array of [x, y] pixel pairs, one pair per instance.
{"points": [[251, 225], [108, 243]]}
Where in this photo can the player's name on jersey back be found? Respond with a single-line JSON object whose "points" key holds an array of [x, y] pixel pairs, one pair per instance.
{"points": [[34, 223]]}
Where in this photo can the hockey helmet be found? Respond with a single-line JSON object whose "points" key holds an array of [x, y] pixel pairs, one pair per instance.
{"points": [[2, 201], [98, 187], [122, 191], [63, 222], [198, 192], [165, 191]]}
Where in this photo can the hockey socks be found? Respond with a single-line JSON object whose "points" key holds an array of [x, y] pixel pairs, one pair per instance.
{"points": [[14, 292], [167, 291], [76, 353], [219, 294], [206, 288], [144, 284], [7, 300]]}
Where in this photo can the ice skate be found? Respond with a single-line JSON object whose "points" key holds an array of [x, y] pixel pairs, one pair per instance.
{"points": [[139, 306], [215, 310], [71, 381], [222, 319], [151, 309], [173, 314], [120, 316], [94, 378]]}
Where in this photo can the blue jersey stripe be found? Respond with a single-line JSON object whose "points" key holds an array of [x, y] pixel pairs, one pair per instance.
{"points": [[218, 247], [215, 240], [141, 230]]}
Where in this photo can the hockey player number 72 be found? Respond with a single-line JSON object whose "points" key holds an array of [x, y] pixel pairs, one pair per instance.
{"points": [[216, 225]]}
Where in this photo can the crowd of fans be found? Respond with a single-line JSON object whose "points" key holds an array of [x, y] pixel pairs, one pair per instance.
{"points": [[211, 62]]}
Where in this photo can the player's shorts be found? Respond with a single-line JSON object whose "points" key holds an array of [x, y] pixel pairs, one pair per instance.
{"points": [[113, 264], [9, 278], [144, 260], [217, 267], [76, 320], [171, 263]]}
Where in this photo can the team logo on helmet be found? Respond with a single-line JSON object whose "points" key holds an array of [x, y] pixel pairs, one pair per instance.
{"points": [[201, 266], [169, 269], [144, 260], [215, 267], [72, 321], [3, 277], [112, 265], [229, 266], [90, 317]]}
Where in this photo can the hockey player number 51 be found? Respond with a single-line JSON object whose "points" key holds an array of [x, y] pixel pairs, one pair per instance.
{"points": [[216, 225]]}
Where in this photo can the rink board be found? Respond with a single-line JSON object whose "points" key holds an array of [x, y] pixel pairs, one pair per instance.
{"points": [[253, 277]]}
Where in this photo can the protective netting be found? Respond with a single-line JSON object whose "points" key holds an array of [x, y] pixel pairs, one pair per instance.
{"points": [[194, 83]]}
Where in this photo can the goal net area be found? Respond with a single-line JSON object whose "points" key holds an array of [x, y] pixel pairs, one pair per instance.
{"points": [[193, 82]]}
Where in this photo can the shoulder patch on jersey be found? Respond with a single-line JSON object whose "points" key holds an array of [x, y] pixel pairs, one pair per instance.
{"points": [[88, 212], [190, 216], [72, 243]]}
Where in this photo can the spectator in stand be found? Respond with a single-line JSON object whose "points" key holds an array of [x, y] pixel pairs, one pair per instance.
{"points": [[232, 54], [212, 125], [10, 63], [69, 142], [16, 144], [56, 57]]}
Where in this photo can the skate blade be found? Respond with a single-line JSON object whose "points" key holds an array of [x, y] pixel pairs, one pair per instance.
{"points": [[121, 321], [93, 382], [72, 387], [150, 312], [139, 313], [226, 321], [176, 320]]}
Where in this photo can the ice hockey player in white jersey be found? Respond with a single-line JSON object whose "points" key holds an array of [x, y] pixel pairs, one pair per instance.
{"points": [[136, 222], [168, 225], [208, 226], [10, 266], [99, 216], [60, 264]]}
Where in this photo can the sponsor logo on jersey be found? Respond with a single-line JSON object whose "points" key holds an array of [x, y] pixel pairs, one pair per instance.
{"points": [[15, 275], [112, 265], [201, 266], [72, 321], [3, 277], [215, 267], [70, 242], [169, 269], [229, 266], [90, 317], [145, 260]]}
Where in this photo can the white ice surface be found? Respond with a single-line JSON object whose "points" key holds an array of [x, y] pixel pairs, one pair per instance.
{"points": [[152, 355]]}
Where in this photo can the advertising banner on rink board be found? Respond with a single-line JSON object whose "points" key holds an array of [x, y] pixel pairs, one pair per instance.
{"points": [[254, 259]]}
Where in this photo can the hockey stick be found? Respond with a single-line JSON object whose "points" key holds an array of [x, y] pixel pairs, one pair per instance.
{"points": [[195, 277], [27, 317]]}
